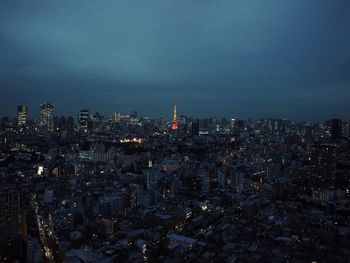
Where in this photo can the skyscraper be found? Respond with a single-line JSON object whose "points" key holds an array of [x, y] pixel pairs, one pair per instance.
{"points": [[9, 214], [70, 127], [22, 115], [323, 166], [195, 128], [46, 116], [10, 226], [117, 117], [174, 127], [84, 118], [152, 177], [133, 114], [336, 128]]}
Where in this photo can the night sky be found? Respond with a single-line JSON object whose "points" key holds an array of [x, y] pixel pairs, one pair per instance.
{"points": [[224, 58]]}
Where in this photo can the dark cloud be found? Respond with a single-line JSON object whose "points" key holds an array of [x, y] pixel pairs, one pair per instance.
{"points": [[213, 58]]}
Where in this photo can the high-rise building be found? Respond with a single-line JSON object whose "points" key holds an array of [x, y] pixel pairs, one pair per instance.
{"points": [[308, 130], [174, 127], [195, 128], [84, 118], [133, 114], [70, 127], [161, 123], [346, 129], [22, 115], [63, 124], [336, 128], [183, 124], [9, 215], [152, 177], [205, 181], [233, 123], [99, 153], [236, 179], [10, 226], [47, 116], [56, 123], [117, 117], [323, 166]]}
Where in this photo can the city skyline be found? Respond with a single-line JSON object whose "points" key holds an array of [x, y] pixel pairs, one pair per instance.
{"points": [[170, 116], [240, 59], [175, 131]]}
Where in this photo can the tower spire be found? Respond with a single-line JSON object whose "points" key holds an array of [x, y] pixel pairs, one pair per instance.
{"points": [[174, 127]]}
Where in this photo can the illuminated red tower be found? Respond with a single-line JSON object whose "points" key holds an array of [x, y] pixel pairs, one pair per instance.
{"points": [[174, 127]]}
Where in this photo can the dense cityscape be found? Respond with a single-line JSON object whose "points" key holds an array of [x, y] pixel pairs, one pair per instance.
{"points": [[128, 188]]}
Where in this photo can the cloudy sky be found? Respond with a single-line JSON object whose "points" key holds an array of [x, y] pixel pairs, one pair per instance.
{"points": [[232, 58]]}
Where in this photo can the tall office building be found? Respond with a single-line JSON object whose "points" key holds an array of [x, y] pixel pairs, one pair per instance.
{"points": [[195, 128], [336, 128], [133, 114], [323, 166], [161, 123], [10, 227], [9, 215], [70, 127], [46, 116], [308, 131], [152, 177], [84, 118], [117, 117], [22, 115], [62, 124], [234, 123]]}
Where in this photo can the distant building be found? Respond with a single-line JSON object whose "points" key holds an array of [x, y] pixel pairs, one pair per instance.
{"points": [[195, 128], [46, 116], [236, 180], [221, 177], [84, 117], [48, 196], [99, 153], [183, 124], [11, 246], [308, 130], [70, 123], [336, 128], [117, 117], [205, 181], [323, 166], [233, 123], [161, 123], [62, 125], [152, 180], [133, 114], [237, 124], [9, 215], [22, 115]]}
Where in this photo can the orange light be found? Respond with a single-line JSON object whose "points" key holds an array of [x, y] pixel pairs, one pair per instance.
{"points": [[174, 127]]}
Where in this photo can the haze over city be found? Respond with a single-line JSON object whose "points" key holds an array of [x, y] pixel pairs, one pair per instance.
{"points": [[213, 58]]}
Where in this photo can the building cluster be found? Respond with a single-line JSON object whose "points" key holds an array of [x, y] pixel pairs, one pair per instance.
{"points": [[125, 188]]}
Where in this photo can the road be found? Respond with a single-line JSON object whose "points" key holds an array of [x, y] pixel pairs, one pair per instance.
{"points": [[48, 253]]}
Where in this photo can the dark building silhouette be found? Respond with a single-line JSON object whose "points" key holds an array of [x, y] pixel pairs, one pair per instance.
{"points": [[195, 128], [11, 229], [336, 128], [323, 166]]}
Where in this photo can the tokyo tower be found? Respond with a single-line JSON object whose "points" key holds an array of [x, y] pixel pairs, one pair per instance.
{"points": [[174, 127]]}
